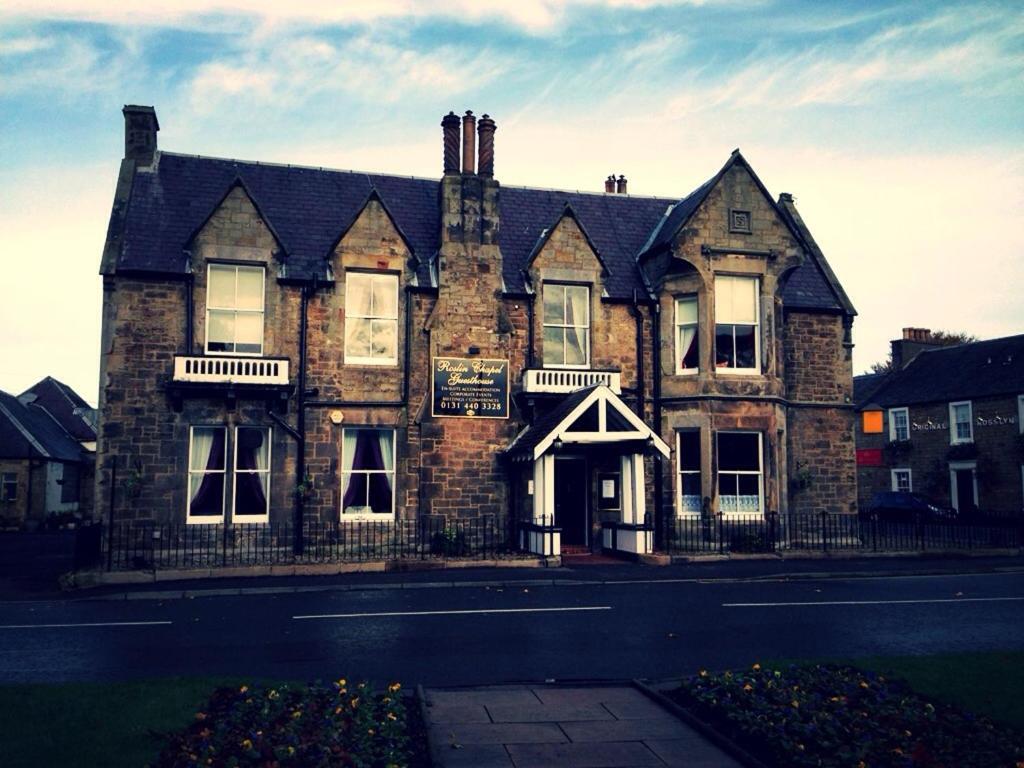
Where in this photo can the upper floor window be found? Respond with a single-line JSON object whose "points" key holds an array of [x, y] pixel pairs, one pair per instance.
{"points": [[371, 318], [960, 430], [686, 335], [737, 349], [566, 325], [899, 424], [234, 309]]}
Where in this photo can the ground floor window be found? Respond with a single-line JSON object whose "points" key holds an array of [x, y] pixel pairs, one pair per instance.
{"points": [[207, 470], [9, 487], [368, 473], [901, 480], [208, 475], [688, 461], [740, 487], [252, 475]]}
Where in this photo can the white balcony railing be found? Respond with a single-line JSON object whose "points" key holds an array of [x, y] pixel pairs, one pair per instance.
{"points": [[210, 369], [562, 381]]}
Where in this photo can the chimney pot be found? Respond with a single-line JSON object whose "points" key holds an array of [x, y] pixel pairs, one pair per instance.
{"points": [[140, 128], [469, 143], [620, 185], [450, 132], [486, 129], [609, 185]]}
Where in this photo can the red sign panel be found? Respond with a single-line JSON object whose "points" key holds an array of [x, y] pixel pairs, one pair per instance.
{"points": [[869, 457]]}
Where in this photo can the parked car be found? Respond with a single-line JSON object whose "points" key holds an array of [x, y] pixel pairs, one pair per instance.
{"points": [[904, 507]]}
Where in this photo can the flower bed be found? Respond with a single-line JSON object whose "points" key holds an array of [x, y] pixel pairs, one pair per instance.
{"points": [[843, 717], [315, 725]]}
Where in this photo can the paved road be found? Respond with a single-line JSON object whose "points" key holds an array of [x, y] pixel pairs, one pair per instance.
{"points": [[455, 636]]}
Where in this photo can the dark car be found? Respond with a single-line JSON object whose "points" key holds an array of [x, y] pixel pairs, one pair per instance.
{"points": [[904, 507]]}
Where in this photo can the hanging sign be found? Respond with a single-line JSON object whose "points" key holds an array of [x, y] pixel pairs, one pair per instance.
{"points": [[469, 387]]}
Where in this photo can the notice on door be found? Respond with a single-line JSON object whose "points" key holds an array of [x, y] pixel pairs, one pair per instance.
{"points": [[469, 388]]}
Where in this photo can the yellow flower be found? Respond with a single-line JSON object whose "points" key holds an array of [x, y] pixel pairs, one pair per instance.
{"points": [[703, 673], [391, 716], [342, 683], [200, 716], [800, 747], [897, 751], [370, 731], [355, 702], [756, 667], [296, 714], [907, 733], [834, 698], [243, 689], [246, 744], [386, 699], [864, 685], [337, 710], [273, 695], [795, 704], [394, 687], [291, 750]]}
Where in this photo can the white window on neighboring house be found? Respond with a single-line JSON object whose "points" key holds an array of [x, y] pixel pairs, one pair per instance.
{"points": [[960, 429], [234, 309], [251, 475], [367, 473], [9, 487], [901, 480], [207, 471], [737, 342], [688, 460], [371, 318], [899, 424], [740, 486], [1020, 414], [687, 360], [566, 325]]}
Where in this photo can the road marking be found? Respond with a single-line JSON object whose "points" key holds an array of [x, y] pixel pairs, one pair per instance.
{"points": [[453, 613], [878, 602], [90, 624]]}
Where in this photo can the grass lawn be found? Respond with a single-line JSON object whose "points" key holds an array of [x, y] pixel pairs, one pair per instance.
{"points": [[96, 724]]}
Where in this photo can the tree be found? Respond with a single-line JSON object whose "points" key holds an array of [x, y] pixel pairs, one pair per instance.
{"points": [[938, 338]]}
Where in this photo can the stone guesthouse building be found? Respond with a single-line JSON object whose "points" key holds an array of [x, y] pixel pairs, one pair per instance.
{"points": [[945, 423], [292, 346]]}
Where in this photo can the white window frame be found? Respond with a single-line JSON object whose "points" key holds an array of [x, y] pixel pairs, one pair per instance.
{"points": [[8, 479], [893, 434], [351, 359], [205, 519], [894, 479], [680, 512], [261, 311], [954, 436], [235, 472], [954, 466], [680, 370], [586, 328], [363, 516], [1020, 414], [756, 370], [760, 472]]}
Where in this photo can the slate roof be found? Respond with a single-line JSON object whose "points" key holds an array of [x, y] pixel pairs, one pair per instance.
{"points": [[307, 209], [27, 431], [64, 405], [529, 438], [962, 372], [865, 385]]}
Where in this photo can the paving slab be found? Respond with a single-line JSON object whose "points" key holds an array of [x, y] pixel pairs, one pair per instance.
{"points": [[607, 755], [623, 730], [473, 756], [502, 733], [540, 713], [690, 753], [459, 713]]}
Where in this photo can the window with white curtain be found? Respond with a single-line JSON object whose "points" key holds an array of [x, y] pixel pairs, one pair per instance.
{"points": [[234, 309], [688, 459], [566, 325], [740, 486], [207, 470], [371, 318], [686, 335], [367, 473], [252, 475], [737, 344], [960, 428]]}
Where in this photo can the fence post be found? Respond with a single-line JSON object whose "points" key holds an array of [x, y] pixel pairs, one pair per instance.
{"points": [[824, 531], [772, 530], [721, 536], [224, 551]]}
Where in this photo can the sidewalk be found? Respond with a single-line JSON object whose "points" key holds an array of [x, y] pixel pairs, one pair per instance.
{"points": [[538, 726]]}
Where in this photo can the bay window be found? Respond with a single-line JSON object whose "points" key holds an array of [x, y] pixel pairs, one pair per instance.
{"points": [[740, 486], [252, 475], [686, 335], [234, 309], [566, 325], [368, 473], [371, 318], [688, 461], [737, 346], [207, 451]]}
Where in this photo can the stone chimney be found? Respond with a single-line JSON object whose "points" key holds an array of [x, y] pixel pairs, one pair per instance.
{"points": [[609, 185], [620, 186], [914, 342], [486, 129], [450, 130], [140, 127], [468, 143]]}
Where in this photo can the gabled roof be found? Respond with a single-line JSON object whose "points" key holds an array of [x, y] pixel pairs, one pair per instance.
{"points": [[545, 235], [64, 405], [27, 431], [962, 372], [865, 386]]}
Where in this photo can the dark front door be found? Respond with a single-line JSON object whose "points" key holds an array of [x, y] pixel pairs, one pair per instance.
{"points": [[571, 492], [964, 491]]}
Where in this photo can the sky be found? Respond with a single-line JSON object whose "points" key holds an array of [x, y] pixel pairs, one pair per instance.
{"points": [[897, 127]]}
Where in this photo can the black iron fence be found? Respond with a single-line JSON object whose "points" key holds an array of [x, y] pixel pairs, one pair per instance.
{"points": [[143, 545], [833, 532]]}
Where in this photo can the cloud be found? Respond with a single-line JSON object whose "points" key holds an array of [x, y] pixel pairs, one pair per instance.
{"points": [[19, 46]]}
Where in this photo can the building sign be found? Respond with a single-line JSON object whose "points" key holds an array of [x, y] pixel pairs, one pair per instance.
{"points": [[929, 426], [469, 387], [869, 457]]}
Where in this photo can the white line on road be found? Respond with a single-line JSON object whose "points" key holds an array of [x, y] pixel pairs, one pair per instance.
{"points": [[878, 602], [91, 624], [453, 613]]}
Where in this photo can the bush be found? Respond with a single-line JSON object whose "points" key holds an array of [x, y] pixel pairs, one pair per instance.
{"points": [[316, 726], [842, 717], [450, 543]]}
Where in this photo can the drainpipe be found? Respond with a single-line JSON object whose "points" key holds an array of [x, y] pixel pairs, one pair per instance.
{"points": [[190, 283], [640, 383], [656, 417], [529, 321], [408, 343], [300, 463]]}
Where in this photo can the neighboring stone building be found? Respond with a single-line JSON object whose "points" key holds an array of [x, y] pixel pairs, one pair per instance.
{"points": [[946, 423], [298, 345], [47, 459]]}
